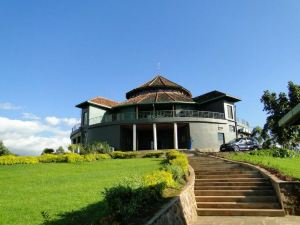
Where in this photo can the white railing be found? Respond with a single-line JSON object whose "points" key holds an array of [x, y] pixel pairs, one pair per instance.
{"points": [[149, 115]]}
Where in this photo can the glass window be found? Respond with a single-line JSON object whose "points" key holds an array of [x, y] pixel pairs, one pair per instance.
{"points": [[85, 118], [231, 128], [230, 111]]}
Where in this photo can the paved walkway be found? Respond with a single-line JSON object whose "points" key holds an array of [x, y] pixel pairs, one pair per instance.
{"points": [[247, 220]]}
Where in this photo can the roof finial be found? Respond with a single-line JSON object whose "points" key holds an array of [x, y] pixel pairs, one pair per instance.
{"points": [[158, 68]]}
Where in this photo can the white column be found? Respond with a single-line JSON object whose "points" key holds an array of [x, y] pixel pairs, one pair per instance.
{"points": [[134, 137], [175, 136], [154, 136]]}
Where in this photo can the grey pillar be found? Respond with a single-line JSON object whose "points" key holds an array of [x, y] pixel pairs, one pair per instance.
{"points": [[134, 137], [175, 136], [154, 137]]}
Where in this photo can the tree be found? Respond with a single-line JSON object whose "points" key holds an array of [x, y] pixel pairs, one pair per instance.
{"points": [[60, 150], [257, 134], [4, 150], [48, 151], [276, 107]]}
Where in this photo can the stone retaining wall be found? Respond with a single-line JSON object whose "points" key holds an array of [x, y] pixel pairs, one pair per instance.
{"points": [[182, 210], [288, 192], [290, 196]]}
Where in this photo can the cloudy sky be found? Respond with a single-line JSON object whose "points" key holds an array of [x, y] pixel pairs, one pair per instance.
{"points": [[56, 54], [29, 134]]}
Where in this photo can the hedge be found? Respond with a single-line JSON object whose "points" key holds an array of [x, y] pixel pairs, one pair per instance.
{"points": [[133, 197]]}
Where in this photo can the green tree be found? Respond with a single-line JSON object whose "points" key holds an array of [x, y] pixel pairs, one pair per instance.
{"points": [[48, 151], [4, 150], [60, 150], [276, 106]]}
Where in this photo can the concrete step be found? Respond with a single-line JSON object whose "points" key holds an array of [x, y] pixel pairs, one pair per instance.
{"points": [[272, 198], [237, 184], [221, 170], [238, 205], [249, 187], [231, 180], [209, 176], [239, 212], [234, 192], [230, 172]]}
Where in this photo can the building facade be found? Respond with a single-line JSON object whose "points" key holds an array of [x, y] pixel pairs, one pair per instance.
{"points": [[160, 114]]}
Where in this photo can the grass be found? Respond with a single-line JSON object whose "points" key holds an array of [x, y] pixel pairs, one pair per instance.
{"points": [[62, 191], [285, 166]]}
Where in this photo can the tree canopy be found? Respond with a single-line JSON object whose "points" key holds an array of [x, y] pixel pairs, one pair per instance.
{"points": [[276, 106], [4, 150]]}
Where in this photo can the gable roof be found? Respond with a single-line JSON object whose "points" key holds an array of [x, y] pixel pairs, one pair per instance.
{"points": [[214, 95], [157, 83], [99, 101]]}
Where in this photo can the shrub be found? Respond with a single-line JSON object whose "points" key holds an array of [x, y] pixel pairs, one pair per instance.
{"points": [[172, 154], [94, 157], [161, 177], [128, 200], [154, 155], [284, 153], [11, 160], [73, 158], [90, 157], [268, 153], [49, 158], [123, 155], [75, 148], [102, 156], [177, 172], [97, 147], [48, 151], [178, 159]]}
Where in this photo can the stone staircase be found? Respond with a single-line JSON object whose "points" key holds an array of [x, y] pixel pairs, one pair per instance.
{"points": [[229, 189]]}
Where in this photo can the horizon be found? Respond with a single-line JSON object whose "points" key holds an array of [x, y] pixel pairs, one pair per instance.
{"points": [[57, 54]]}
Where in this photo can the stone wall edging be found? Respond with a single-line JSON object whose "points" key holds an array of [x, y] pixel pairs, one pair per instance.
{"points": [[181, 210], [288, 192]]}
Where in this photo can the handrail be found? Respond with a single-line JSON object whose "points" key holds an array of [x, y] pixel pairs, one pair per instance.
{"points": [[144, 115], [76, 127]]}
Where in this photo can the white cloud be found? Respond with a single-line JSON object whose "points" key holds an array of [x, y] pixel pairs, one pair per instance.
{"points": [[9, 106], [30, 137], [54, 121], [30, 116]]}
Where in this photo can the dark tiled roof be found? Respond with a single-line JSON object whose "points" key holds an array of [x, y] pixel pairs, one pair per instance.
{"points": [[101, 101], [158, 97], [158, 83], [104, 101], [214, 95]]}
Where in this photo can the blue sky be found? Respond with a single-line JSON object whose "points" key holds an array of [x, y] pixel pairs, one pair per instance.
{"points": [[55, 54]]}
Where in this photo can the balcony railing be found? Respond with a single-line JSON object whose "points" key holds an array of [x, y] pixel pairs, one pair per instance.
{"points": [[149, 115], [76, 127], [243, 123]]}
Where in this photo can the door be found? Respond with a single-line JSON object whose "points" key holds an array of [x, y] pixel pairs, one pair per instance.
{"points": [[221, 138]]}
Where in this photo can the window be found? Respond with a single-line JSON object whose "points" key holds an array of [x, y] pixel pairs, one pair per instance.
{"points": [[221, 138], [231, 128], [230, 111], [85, 119]]}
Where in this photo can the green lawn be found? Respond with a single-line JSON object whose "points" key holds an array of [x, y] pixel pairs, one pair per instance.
{"points": [[64, 191], [286, 166]]}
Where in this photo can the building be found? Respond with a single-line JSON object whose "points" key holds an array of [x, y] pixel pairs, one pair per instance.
{"points": [[160, 114]]}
